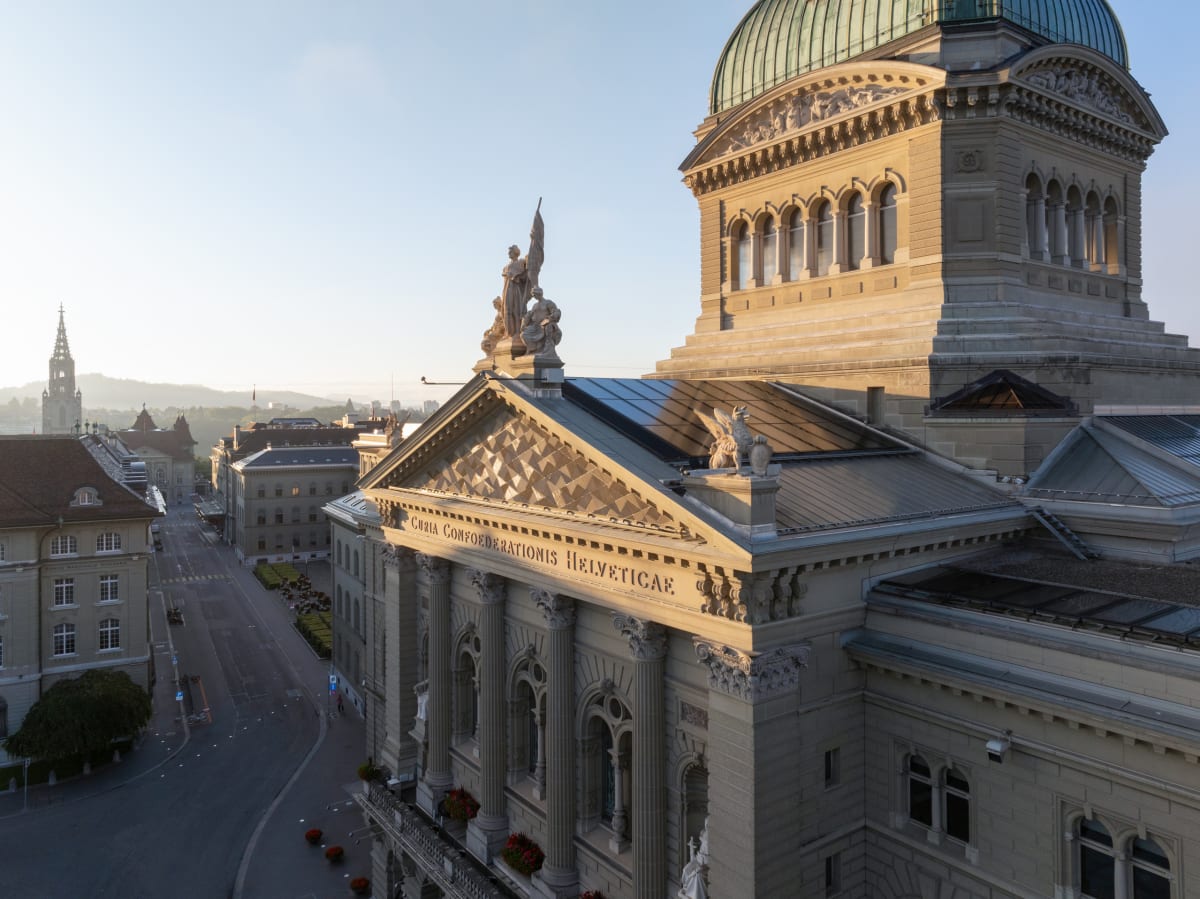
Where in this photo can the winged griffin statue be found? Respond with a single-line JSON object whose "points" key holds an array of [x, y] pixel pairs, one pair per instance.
{"points": [[731, 436]]}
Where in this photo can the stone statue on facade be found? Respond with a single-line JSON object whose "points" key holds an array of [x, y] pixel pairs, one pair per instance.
{"points": [[519, 278], [731, 436], [692, 883], [540, 331]]}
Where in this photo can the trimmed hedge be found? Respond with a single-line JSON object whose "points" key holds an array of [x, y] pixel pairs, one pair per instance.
{"points": [[317, 629]]}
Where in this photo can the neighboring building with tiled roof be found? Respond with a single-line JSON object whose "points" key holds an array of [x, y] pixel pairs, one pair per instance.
{"points": [[169, 454], [73, 556]]}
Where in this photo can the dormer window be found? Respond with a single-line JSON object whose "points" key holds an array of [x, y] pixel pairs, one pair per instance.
{"points": [[86, 496]]}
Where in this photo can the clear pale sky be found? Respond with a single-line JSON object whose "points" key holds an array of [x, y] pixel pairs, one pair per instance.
{"points": [[318, 196]]}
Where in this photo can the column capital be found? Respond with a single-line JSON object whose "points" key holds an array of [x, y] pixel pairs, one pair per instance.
{"points": [[398, 557], [558, 609], [436, 569], [647, 640], [752, 676], [488, 585]]}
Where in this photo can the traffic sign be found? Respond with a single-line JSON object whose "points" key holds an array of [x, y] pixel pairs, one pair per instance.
{"points": [[179, 696]]}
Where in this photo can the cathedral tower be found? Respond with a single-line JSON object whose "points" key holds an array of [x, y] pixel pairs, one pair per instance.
{"points": [[62, 403]]}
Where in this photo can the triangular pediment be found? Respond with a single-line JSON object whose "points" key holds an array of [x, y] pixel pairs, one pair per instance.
{"points": [[505, 457]]}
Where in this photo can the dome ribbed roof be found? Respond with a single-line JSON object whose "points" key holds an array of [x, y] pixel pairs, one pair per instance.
{"points": [[779, 39]]}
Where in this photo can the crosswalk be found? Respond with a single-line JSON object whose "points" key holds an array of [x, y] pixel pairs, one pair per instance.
{"points": [[195, 577]]}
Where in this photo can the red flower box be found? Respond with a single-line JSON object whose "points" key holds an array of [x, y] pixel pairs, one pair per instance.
{"points": [[335, 853], [460, 805], [522, 854], [360, 885]]}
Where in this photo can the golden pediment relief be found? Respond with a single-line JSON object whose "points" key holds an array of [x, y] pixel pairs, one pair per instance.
{"points": [[513, 460]]}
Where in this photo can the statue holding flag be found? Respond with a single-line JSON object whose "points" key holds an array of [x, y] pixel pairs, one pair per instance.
{"points": [[520, 278]]}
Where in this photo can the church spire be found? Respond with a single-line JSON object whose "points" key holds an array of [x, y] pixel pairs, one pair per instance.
{"points": [[61, 349]]}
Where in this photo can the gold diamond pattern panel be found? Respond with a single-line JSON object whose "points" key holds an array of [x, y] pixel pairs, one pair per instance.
{"points": [[516, 461]]}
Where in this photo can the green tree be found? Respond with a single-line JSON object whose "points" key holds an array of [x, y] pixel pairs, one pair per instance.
{"points": [[81, 716]]}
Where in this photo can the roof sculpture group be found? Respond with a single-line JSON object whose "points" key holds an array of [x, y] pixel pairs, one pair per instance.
{"points": [[520, 328], [732, 440]]}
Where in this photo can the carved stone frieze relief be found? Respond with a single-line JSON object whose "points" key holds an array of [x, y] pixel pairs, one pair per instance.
{"points": [[752, 676], [693, 715], [803, 109], [752, 598], [1084, 88]]}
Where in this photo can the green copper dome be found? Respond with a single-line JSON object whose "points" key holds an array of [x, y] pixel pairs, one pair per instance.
{"points": [[779, 39]]}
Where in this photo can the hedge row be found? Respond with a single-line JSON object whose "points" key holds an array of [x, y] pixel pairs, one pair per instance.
{"points": [[274, 576], [317, 629]]}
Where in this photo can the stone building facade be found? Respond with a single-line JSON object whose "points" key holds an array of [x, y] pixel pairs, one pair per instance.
{"points": [[74, 549], [710, 633]]}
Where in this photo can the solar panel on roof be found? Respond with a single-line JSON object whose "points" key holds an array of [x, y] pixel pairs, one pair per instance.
{"points": [[662, 415]]}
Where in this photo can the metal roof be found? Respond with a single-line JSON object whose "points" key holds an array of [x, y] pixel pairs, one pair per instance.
{"points": [[830, 493], [275, 457], [1098, 466]]}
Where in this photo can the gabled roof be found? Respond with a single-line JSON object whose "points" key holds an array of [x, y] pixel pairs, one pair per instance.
{"points": [[619, 451], [1002, 393], [39, 478]]}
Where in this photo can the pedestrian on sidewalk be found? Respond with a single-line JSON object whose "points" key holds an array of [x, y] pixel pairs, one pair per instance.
{"points": [[341, 707]]}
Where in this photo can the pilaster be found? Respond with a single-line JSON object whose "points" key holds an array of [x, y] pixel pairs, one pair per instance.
{"points": [[558, 876], [398, 594], [487, 832], [648, 647], [753, 728], [438, 776]]}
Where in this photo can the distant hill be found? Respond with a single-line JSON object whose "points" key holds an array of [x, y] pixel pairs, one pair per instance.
{"points": [[100, 392]]}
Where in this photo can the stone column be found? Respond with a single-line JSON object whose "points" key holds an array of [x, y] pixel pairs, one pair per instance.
{"points": [[487, 832], [558, 876], [753, 725], [399, 596], [648, 646], [438, 777]]}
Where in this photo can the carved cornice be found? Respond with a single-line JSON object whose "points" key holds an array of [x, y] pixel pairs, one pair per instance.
{"points": [[488, 585], [752, 676], [789, 148], [559, 610], [437, 570], [752, 598], [647, 640]]}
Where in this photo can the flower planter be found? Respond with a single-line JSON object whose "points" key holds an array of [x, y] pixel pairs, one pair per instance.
{"points": [[335, 854], [313, 836], [360, 886]]}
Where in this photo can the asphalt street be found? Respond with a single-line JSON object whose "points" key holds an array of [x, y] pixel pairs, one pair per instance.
{"points": [[215, 799]]}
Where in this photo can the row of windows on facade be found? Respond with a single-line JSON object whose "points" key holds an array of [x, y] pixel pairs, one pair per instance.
{"points": [[606, 745], [261, 517], [295, 490], [1140, 871], [281, 543], [108, 637], [344, 558], [816, 241], [1071, 227], [343, 606], [68, 545], [64, 590]]}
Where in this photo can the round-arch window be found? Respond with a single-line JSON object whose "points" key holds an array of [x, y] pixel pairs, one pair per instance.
{"points": [[770, 251], [887, 225], [824, 217]]}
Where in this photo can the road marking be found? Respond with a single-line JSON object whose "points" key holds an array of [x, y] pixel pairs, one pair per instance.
{"points": [[195, 577]]}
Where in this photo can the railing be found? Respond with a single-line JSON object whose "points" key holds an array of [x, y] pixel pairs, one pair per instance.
{"points": [[454, 872]]}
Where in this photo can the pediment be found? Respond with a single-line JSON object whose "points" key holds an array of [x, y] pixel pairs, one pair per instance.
{"points": [[1090, 82], [504, 457], [810, 103]]}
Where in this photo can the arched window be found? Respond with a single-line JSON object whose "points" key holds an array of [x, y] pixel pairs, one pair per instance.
{"points": [[920, 791], [1076, 249], [1112, 250], [770, 251], [357, 620], [108, 543], [1035, 219], [796, 245], [356, 563], [608, 748], [856, 232], [1097, 878], [1151, 870], [957, 800], [823, 216], [527, 724], [1056, 223], [743, 255], [64, 545], [1093, 232], [466, 688], [110, 634], [887, 225]]}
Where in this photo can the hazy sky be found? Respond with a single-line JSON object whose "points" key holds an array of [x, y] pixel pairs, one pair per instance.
{"points": [[318, 196]]}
